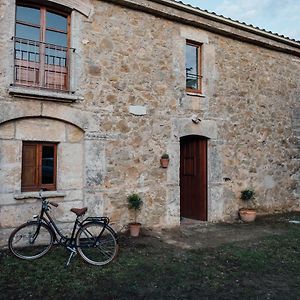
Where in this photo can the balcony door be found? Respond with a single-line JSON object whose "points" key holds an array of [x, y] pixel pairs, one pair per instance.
{"points": [[41, 48]]}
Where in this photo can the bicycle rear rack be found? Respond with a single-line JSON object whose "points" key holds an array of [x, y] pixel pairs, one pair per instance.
{"points": [[104, 220]]}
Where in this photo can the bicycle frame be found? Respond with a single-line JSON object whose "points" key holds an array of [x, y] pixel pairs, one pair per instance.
{"points": [[77, 223], [50, 222]]}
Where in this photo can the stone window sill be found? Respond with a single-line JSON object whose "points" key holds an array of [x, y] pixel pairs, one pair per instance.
{"points": [[35, 195], [195, 95], [39, 94]]}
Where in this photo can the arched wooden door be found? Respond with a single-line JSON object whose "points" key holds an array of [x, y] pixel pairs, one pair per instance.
{"points": [[193, 177]]}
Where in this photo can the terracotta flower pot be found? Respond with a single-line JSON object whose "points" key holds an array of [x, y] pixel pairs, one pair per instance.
{"points": [[164, 162], [247, 214], [134, 229]]}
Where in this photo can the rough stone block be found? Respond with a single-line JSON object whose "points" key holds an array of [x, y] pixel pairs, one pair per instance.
{"points": [[195, 103], [15, 215], [10, 165], [137, 110], [95, 167], [7, 198], [82, 119], [19, 109], [4, 236], [62, 213], [7, 130], [216, 203], [40, 129], [70, 166], [74, 134], [95, 203]]}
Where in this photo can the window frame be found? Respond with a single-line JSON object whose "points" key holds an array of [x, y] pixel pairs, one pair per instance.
{"points": [[199, 67], [38, 167], [42, 26]]}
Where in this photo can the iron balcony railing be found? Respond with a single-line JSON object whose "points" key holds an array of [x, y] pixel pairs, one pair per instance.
{"points": [[193, 81], [42, 65]]}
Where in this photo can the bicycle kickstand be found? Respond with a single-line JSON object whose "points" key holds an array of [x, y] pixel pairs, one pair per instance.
{"points": [[73, 252]]}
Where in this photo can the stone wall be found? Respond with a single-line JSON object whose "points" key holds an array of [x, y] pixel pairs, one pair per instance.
{"points": [[256, 96], [128, 58]]}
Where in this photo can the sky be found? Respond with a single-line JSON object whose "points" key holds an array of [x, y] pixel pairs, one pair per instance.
{"points": [[278, 16]]}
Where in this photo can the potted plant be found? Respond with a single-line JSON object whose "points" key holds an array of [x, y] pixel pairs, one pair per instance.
{"points": [[134, 202], [164, 160], [247, 214]]}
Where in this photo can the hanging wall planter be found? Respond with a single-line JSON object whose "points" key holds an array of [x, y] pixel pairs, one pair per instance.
{"points": [[164, 160]]}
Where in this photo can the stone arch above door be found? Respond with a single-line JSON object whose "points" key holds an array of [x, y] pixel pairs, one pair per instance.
{"points": [[186, 127]]}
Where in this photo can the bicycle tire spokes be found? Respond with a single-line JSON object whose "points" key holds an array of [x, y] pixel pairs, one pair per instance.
{"points": [[30, 241], [94, 238], [96, 243], [35, 235]]}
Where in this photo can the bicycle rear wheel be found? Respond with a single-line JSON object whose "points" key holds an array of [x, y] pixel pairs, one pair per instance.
{"points": [[31, 240], [96, 243]]}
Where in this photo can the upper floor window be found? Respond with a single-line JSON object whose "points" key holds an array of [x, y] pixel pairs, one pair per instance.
{"points": [[42, 48], [193, 67]]}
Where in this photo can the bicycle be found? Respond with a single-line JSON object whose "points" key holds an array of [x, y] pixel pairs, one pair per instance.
{"points": [[92, 238]]}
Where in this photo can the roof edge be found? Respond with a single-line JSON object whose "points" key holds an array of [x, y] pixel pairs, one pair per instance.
{"points": [[185, 14], [227, 21]]}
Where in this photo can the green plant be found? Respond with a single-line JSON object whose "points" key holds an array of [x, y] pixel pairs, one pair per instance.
{"points": [[165, 156], [248, 194], [134, 202]]}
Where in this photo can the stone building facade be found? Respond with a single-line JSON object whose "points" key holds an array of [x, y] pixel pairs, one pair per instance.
{"points": [[127, 104]]}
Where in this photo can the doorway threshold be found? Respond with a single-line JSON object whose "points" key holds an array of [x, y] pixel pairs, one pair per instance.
{"points": [[187, 221]]}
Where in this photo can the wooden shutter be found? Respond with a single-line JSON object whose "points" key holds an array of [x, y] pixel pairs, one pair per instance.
{"points": [[29, 167]]}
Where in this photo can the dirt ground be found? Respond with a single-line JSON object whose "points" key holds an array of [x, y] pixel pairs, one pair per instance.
{"points": [[259, 260], [197, 235]]}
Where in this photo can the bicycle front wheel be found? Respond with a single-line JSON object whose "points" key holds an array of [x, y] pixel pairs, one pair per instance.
{"points": [[96, 243], [31, 240]]}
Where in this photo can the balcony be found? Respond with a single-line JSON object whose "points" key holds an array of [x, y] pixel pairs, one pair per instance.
{"points": [[193, 82], [41, 65]]}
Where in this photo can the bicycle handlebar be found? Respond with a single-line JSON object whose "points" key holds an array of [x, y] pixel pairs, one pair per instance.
{"points": [[53, 204], [40, 194], [44, 198]]}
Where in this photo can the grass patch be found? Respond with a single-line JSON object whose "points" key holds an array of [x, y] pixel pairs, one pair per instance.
{"points": [[262, 269]]}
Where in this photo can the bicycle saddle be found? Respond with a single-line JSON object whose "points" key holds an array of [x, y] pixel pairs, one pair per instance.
{"points": [[79, 211]]}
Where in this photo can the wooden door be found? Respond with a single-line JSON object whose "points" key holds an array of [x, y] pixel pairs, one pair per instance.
{"points": [[193, 177]]}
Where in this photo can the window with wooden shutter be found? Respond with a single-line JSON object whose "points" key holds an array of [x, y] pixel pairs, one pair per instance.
{"points": [[39, 166]]}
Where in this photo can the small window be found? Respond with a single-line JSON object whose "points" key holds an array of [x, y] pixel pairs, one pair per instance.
{"points": [[193, 67], [39, 166]]}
